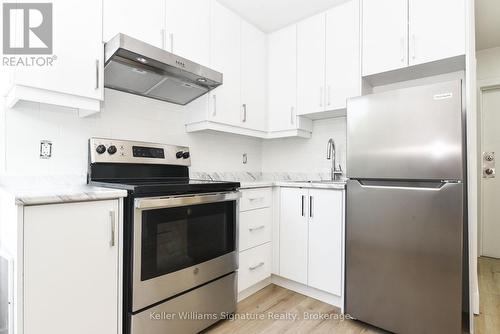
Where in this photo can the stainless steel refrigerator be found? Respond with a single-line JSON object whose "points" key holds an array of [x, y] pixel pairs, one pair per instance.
{"points": [[405, 209]]}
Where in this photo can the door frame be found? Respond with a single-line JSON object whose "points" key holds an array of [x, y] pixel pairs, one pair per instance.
{"points": [[482, 87]]}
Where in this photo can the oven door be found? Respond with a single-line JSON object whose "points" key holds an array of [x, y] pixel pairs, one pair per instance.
{"points": [[181, 243]]}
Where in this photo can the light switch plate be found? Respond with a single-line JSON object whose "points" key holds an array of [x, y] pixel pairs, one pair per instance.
{"points": [[45, 149]]}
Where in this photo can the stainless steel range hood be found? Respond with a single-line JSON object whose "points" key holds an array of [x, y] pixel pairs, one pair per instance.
{"points": [[139, 68]]}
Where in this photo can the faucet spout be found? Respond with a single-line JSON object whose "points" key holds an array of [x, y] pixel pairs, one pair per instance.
{"points": [[331, 155]]}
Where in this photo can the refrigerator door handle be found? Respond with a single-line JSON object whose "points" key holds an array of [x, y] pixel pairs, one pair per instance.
{"points": [[420, 185]]}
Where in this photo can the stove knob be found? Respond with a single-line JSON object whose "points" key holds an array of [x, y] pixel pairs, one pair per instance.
{"points": [[179, 154], [185, 155], [100, 149], [112, 149]]}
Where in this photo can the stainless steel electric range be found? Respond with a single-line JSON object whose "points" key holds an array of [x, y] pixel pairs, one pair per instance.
{"points": [[180, 236]]}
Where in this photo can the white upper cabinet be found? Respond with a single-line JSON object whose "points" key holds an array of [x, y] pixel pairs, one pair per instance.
{"points": [[385, 35], [343, 58], [311, 65], [144, 21], [253, 77], [437, 30], [225, 55], [188, 29], [76, 75]]}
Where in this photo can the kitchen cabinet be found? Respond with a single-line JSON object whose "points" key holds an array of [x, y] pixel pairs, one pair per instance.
{"points": [[384, 35], [311, 234], [188, 29], [328, 61], [413, 34], [144, 21], [293, 234], [255, 246], [253, 77], [325, 240], [343, 55], [75, 78], [430, 38], [225, 55], [71, 263], [311, 65], [282, 85]]}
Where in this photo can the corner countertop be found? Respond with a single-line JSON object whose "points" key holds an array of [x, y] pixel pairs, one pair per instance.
{"points": [[46, 194], [340, 185]]}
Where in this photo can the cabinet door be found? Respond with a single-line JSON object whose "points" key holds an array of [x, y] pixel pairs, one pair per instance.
{"points": [[343, 63], [293, 234], [144, 20], [70, 268], [282, 79], [311, 65], [188, 29], [78, 67], [253, 77], [325, 240], [437, 30], [385, 35], [225, 55]]}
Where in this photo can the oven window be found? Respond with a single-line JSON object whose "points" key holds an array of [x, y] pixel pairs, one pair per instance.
{"points": [[178, 238]]}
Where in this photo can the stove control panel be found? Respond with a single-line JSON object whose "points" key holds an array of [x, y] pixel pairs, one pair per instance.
{"points": [[106, 150]]}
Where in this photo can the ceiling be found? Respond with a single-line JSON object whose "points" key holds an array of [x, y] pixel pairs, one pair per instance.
{"points": [[271, 15], [487, 24]]}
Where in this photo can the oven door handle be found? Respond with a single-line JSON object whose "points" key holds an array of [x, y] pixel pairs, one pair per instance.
{"points": [[171, 202]]}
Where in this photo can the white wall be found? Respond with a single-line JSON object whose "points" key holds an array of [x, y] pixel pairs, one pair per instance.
{"points": [[306, 155], [123, 116], [488, 63]]}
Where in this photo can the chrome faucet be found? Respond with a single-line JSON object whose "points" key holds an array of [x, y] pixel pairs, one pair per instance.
{"points": [[331, 155]]}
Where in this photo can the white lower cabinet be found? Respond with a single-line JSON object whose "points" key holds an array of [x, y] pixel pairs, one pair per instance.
{"points": [[310, 235], [71, 275], [255, 234]]}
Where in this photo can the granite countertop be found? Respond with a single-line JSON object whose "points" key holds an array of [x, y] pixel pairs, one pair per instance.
{"points": [[37, 195]]}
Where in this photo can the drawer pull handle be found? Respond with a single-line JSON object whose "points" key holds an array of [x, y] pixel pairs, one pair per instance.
{"points": [[256, 266], [251, 229], [256, 199]]}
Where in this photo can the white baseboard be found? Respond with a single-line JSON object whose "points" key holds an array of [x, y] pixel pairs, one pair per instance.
{"points": [[308, 291], [253, 289]]}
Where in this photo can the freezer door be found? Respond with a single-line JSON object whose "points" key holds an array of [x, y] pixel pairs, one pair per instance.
{"points": [[412, 133], [404, 255]]}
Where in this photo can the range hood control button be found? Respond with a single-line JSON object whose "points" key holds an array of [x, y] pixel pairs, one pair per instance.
{"points": [[100, 149], [185, 155], [112, 149], [179, 154]]}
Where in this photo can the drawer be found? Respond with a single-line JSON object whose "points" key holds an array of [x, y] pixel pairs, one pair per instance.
{"points": [[255, 198], [255, 266], [255, 228]]}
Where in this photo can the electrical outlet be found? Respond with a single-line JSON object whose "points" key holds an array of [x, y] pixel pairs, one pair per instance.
{"points": [[245, 158], [45, 149]]}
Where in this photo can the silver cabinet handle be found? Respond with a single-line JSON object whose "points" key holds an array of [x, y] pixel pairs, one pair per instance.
{"points": [[97, 74], [251, 229], [163, 42], [311, 206], [112, 215], [329, 88], [402, 45], [251, 199], [292, 112], [321, 96], [171, 42], [256, 266], [215, 105], [303, 204], [414, 46], [244, 108]]}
